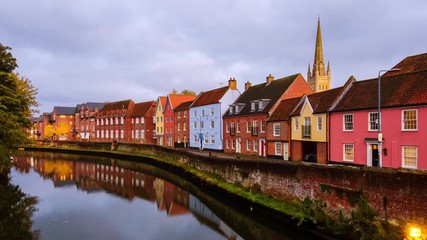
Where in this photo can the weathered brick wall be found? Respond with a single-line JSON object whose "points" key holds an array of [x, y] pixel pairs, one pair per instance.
{"points": [[399, 195]]}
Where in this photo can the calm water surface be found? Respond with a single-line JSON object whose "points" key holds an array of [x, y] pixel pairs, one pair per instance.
{"points": [[100, 198]]}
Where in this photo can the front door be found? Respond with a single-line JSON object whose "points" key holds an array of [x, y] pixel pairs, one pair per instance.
{"points": [[285, 151], [262, 147], [374, 155]]}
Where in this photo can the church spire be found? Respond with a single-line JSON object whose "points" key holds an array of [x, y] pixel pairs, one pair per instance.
{"points": [[319, 66]]}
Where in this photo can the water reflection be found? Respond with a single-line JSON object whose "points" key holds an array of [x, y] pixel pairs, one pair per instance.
{"points": [[125, 212]]}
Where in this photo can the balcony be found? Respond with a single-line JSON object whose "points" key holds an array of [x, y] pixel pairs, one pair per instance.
{"points": [[306, 131], [255, 131]]}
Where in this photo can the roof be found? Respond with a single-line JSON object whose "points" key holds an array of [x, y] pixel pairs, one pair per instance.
{"points": [[410, 64], [63, 110], [142, 108], [396, 91], [272, 91], [176, 99], [284, 109], [91, 105], [162, 101], [210, 97], [116, 105], [322, 101], [183, 106]]}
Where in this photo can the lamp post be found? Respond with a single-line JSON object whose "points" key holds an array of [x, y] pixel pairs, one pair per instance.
{"points": [[380, 136]]}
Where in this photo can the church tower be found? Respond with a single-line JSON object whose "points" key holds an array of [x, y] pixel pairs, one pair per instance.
{"points": [[319, 79]]}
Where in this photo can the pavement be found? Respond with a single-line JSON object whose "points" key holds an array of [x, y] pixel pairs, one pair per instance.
{"points": [[224, 155]]}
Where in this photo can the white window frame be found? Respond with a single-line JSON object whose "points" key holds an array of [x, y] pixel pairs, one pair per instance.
{"points": [[133, 134], [248, 126], [142, 120], [255, 145], [227, 127], [185, 126], [278, 148], [142, 134], [212, 124], [202, 124], [370, 122], [262, 129], [237, 127], [319, 123], [122, 135], [344, 122], [416, 157], [212, 139], [212, 111], [179, 114], [276, 129], [206, 139], [296, 124], [137, 120], [227, 143], [179, 126], [403, 120], [122, 120], [349, 145], [248, 145], [194, 125]]}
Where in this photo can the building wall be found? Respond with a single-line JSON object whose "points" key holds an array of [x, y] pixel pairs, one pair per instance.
{"points": [[69, 119], [296, 150], [316, 135], [297, 89], [182, 134], [159, 123], [394, 137], [212, 133], [283, 137]]}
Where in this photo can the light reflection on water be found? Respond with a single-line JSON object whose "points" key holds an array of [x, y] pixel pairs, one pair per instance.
{"points": [[94, 198]]}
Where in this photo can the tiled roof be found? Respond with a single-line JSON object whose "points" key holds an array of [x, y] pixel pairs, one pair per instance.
{"points": [[272, 91], [396, 91], [210, 97], [116, 105], [176, 99], [320, 102], [91, 105], [183, 106], [410, 64], [63, 110], [162, 101], [284, 109], [142, 108]]}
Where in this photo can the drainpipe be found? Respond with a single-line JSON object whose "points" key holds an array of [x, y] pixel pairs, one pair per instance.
{"points": [[328, 137]]}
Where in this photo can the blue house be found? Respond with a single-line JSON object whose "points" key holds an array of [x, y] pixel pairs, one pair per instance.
{"points": [[206, 125]]}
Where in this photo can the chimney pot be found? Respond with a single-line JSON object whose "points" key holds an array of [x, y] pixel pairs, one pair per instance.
{"points": [[247, 85], [232, 84], [269, 78]]}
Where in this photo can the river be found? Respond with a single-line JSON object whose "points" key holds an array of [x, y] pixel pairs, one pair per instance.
{"points": [[82, 197]]}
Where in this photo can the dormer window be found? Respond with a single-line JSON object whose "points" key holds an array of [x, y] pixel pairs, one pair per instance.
{"points": [[231, 109], [253, 106], [262, 104]]}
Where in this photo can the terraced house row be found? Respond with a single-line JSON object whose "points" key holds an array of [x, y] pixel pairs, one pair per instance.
{"points": [[289, 118]]}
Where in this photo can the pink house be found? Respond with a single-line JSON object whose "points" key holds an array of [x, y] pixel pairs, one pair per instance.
{"points": [[353, 120]]}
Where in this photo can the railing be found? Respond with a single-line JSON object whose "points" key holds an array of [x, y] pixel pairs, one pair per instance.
{"points": [[306, 131]]}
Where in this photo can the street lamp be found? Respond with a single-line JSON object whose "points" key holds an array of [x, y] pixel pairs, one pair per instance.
{"points": [[380, 136]]}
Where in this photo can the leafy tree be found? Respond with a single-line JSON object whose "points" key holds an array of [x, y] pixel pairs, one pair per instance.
{"points": [[188, 92], [17, 97], [51, 131]]}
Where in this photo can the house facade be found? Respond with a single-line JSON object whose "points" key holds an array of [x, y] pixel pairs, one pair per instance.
{"points": [[181, 124], [245, 120], [63, 115], [142, 122], [39, 125], [159, 120], [310, 126], [279, 129], [172, 101], [84, 120], [206, 123], [354, 120], [113, 121]]}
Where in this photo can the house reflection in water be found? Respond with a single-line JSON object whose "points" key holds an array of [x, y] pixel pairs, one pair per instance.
{"points": [[126, 183]]}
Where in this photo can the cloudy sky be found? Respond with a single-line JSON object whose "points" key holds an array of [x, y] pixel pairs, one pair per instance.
{"points": [[108, 50]]}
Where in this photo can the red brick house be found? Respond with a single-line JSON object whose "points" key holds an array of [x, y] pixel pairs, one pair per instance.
{"points": [[142, 122], [114, 122], [245, 120], [63, 115], [181, 123], [39, 125], [84, 120], [279, 129], [172, 101]]}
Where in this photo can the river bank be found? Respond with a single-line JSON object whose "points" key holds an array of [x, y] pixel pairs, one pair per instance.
{"points": [[232, 177]]}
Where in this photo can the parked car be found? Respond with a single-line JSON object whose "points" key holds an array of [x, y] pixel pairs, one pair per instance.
{"points": [[310, 157]]}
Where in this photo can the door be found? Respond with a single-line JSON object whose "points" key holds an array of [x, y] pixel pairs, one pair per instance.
{"points": [[262, 147], [285, 151], [238, 146], [374, 155]]}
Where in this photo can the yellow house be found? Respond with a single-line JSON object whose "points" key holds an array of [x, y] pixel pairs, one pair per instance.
{"points": [[309, 131], [159, 120]]}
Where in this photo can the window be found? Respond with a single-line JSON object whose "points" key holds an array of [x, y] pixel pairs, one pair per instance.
{"points": [[170, 130], [203, 112], [185, 113], [348, 152], [179, 114], [97, 133], [97, 122], [179, 126], [117, 133], [227, 127], [102, 134], [132, 120], [409, 120], [194, 113], [238, 127], [260, 105], [248, 145], [117, 120], [112, 133], [195, 138], [206, 139], [255, 127], [170, 119], [133, 134], [202, 125], [102, 122], [167, 130], [248, 126], [111, 121], [348, 122], [106, 134], [319, 123], [122, 134], [409, 156], [137, 120], [296, 124], [231, 110], [306, 129], [262, 126], [212, 139], [373, 121], [157, 118], [142, 134], [278, 148], [253, 108], [232, 143], [122, 120], [227, 143], [106, 121], [194, 125], [212, 111], [255, 145], [212, 124], [276, 129], [185, 126], [136, 134], [142, 120], [167, 119]]}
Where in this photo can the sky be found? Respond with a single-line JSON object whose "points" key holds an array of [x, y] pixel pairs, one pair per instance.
{"points": [[107, 50]]}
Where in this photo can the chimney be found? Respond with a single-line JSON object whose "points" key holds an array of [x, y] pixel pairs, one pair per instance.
{"points": [[270, 78], [232, 84], [247, 85]]}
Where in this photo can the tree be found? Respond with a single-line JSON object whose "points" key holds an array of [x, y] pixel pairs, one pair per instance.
{"points": [[17, 97], [51, 131], [188, 92]]}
